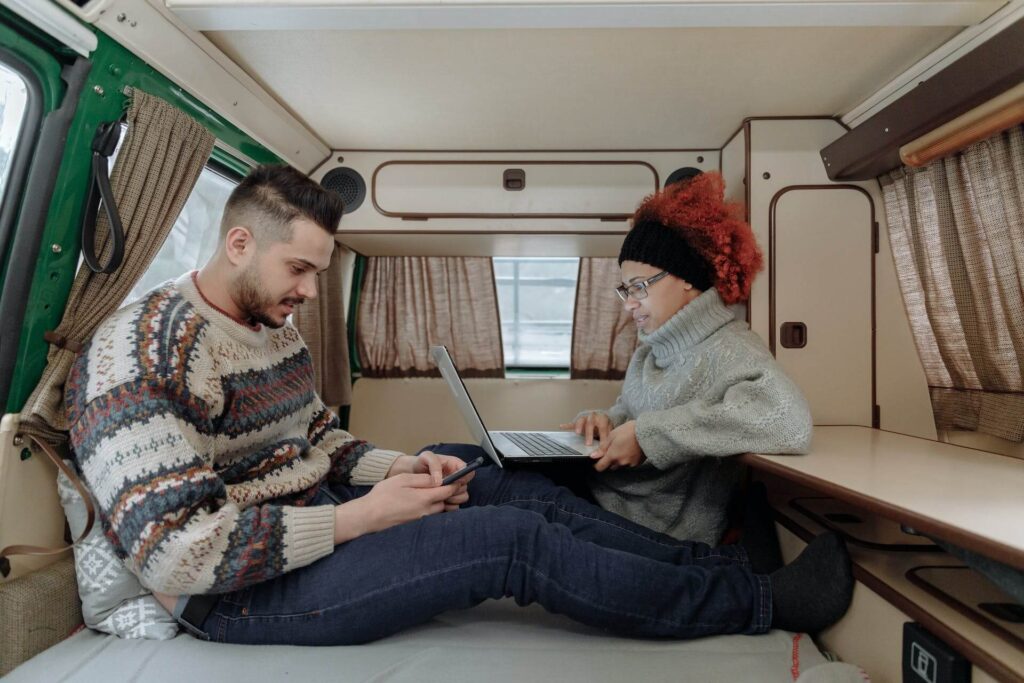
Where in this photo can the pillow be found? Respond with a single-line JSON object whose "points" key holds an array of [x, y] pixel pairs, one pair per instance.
{"points": [[113, 600]]}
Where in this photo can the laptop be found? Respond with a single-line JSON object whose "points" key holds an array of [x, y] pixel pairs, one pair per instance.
{"points": [[512, 446]]}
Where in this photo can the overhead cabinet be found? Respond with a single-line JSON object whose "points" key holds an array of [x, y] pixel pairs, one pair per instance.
{"points": [[511, 189]]}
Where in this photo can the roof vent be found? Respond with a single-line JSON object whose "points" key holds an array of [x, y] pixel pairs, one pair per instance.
{"points": [[347, 184]]}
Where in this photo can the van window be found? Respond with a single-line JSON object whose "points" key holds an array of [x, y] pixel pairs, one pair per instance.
{"points": [[194, 237], [536, 297], [13, 101]]}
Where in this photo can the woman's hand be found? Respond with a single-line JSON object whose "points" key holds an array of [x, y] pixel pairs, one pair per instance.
{"points": [[619, 449], [590, 425]]}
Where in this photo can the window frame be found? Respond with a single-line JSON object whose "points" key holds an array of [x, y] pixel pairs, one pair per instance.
{"points": [[548, 371], [28, 139], [220, 163]]}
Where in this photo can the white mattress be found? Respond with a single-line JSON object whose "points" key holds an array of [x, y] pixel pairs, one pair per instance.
{"points": [[497, 641]]}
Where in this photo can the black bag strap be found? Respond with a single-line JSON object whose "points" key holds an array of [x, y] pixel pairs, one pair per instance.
{"points": [[103, 145]]}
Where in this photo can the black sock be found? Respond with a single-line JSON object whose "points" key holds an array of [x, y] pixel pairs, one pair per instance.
{"points": [[813, 592], [759, 537]]}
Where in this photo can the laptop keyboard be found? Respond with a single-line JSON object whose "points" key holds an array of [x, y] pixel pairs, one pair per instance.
{"points": [[534, 443]]}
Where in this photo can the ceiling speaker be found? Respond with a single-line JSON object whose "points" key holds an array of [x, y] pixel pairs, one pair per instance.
{"points": [[684, 173], [347, 184]]}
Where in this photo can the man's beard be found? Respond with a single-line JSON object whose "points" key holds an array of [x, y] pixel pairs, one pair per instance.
{"points": [[254, 302]]}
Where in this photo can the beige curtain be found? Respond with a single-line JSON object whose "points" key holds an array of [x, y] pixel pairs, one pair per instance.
{"points": [[957, 232], [603, 334], [321, 323], [408, 304], [158, 165]]}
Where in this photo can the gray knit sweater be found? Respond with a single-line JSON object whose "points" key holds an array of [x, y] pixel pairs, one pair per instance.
{"points": [[700, 387]]}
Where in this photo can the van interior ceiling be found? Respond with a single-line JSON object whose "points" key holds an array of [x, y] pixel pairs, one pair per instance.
{"points": [[497, 151]]}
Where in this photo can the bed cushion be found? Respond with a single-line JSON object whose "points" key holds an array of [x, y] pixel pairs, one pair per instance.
{"points": [[495, 641]]}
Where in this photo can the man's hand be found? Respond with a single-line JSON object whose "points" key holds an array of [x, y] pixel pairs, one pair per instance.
{"points": [[398, 499], [619, 449], [438, 466], [590, 425]]}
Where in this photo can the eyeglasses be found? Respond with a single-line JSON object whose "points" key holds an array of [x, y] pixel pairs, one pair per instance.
{"points": [[638, 290]]}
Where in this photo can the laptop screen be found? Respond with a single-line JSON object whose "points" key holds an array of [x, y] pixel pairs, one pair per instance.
{"points": [[463, 400]]}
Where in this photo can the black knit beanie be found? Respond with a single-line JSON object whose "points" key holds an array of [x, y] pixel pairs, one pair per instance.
{"points": [[663, 247]]}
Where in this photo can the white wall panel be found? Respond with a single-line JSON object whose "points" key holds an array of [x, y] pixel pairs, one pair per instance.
{"points": [[782, 153], [787, 151], [556, 89], [734, 160], [595, 182], [188, 58], [902, 387], [470, 187]]}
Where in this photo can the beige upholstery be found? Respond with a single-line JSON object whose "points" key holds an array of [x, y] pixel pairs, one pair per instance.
{"points": [[30, 513], [37, 611], [407, 414]]}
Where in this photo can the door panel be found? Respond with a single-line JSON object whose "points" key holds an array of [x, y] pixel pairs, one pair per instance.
{"points": [[822, 256]]}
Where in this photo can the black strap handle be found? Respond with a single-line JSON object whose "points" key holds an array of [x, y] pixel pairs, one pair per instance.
{"points": [[103, 145]]}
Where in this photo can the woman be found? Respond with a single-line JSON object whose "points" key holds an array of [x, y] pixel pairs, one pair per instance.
{"points": [[700, 385]]}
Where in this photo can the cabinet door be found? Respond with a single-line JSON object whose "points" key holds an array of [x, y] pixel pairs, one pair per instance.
{"points": [[822, 298], [511, 189]]}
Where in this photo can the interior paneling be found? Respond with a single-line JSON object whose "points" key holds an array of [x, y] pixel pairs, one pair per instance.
{"points": [[425, 242], [901, 387], [550, 187], [985, 442], [462, 191], [389, 412], [734, 168], [822, 254], [30, 513], [782, 153], [567, 89]]}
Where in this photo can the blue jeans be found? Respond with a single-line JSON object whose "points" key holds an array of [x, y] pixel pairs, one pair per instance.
{"points": [[519, 536]]}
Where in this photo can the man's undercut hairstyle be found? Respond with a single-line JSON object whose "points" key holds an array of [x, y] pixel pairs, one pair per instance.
{"points": [[272, 196]]}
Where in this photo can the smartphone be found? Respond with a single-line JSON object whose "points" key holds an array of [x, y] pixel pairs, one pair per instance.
{"points": [[455, 476]]}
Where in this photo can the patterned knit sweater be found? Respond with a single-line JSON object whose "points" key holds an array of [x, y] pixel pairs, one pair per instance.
{"points": [[203, 439], [700, 386]]}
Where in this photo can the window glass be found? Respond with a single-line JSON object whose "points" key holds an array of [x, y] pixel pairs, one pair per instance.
{"points": [[13, 101], [536, 297], [194, 237]]}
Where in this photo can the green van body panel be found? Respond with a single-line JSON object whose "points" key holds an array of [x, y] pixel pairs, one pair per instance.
{"points": [[103, 99], [41, 61]]}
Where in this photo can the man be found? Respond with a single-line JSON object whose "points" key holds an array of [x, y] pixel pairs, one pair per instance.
{"points": [[234, 495]]}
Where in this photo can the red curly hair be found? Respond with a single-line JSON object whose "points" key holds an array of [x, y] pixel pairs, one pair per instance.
{"points": [[713, 227]]}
